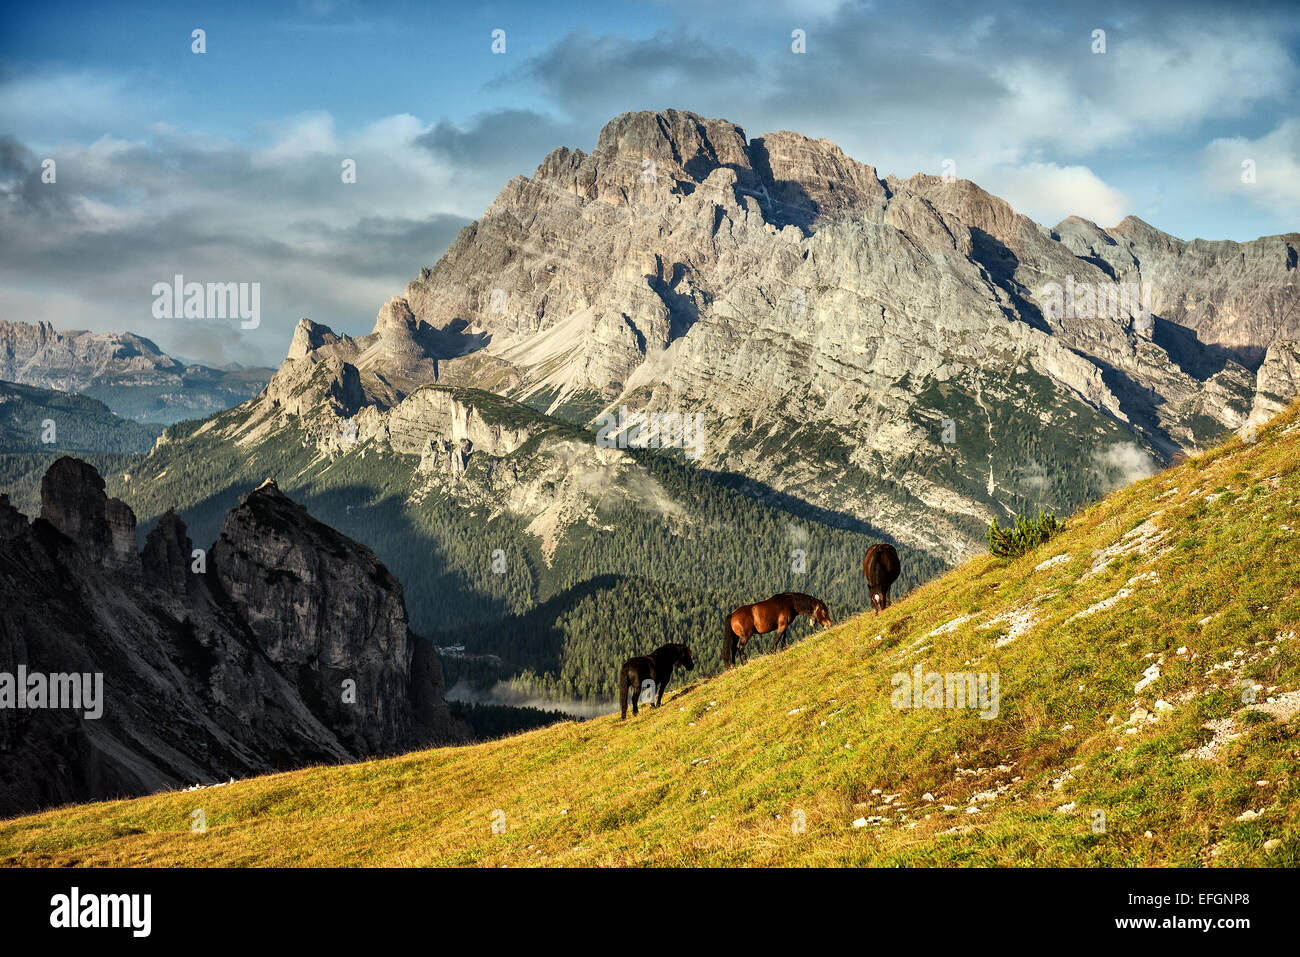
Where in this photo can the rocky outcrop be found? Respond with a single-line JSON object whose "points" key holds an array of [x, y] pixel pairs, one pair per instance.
{"points": [[12, 521], [166, 558], [286, 644], [1277, 382], [73, 501], [329, 613]]}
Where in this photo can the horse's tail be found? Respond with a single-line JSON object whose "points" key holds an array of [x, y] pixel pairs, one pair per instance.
{"points": [[622, 691], [728, 642]]}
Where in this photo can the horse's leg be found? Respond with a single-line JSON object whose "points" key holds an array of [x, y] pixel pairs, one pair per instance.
{"points": [[782, 626], [659, 700]]}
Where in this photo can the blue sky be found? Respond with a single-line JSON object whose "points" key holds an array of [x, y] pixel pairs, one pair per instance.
{"points": [[225, 166]]}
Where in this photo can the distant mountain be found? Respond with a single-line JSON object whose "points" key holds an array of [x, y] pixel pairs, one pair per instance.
{"points": [[126, 372], [281, 645]]}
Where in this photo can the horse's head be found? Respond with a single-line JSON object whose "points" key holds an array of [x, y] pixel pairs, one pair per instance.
{"points": [[878, 599], [687, 661], [820, 614]]}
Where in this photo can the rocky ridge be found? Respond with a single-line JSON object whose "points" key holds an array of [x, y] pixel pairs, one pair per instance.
{"points": [[284, 644]]}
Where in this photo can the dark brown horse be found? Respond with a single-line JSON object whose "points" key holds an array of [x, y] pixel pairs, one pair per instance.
{"points": [[775, 614], [656, 667], [880, 565]]}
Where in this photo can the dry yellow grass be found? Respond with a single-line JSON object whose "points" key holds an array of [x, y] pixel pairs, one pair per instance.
{"points": [[773, 763]]}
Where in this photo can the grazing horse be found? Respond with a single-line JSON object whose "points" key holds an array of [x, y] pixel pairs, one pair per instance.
{"points": [[880, 565], [657, 666], [775, 614]]}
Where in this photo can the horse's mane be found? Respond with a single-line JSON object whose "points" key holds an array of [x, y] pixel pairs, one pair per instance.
{"points": [[799, 597]]}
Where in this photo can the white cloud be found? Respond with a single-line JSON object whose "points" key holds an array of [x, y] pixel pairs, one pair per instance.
{"points": [[298, 137], [1123, 464], [1047, 193], [1275, 157], [128, 212], [55, 107]]}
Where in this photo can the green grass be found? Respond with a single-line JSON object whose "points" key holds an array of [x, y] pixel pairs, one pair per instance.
{"points": [[721, 772]]}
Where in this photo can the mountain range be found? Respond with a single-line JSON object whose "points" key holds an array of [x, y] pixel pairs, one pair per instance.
{"points": [[126, 372], [858, 358]]}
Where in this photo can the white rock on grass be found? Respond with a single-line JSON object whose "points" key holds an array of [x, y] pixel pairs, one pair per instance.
{"points": [[1149, 676]]}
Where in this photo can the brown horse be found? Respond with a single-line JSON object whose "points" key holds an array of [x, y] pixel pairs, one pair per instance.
{"points": [[880, 566], [656, 667], [775, 614]]}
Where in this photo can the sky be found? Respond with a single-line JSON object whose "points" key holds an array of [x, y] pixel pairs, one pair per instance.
{"points": [[226, 165]]}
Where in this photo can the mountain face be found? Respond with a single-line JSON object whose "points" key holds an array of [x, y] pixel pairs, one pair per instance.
{"points": [[858, 358], [128, 373], [284, 644], [826, 322]]}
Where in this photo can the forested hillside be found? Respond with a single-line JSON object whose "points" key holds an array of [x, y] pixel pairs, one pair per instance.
{"points": [[473, 575]]}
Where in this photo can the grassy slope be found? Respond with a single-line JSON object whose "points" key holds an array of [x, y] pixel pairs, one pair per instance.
{"points": [[716, 775]]}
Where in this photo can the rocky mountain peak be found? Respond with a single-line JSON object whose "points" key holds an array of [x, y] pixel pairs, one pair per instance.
{"points": [[1136, 230], [74, 502], [677, 138], [309, 336]]}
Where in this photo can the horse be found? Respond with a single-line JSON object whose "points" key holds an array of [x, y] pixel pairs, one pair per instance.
{"points": [[880, 566], [656, 666], [775, 614]]}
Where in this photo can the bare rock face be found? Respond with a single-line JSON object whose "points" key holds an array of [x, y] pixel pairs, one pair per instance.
{"points": [[74, 502], [1278, 381], [329, 612], [290, 647], [308, 337], [12, 521], [830, 326], [167, 554]]}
